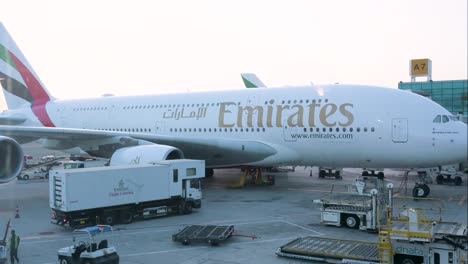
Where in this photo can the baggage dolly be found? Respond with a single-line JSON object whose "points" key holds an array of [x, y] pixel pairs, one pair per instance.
{"points": [[212, 234]]}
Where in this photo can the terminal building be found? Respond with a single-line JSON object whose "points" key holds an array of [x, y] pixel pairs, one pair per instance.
{"points": [[451, 94]]}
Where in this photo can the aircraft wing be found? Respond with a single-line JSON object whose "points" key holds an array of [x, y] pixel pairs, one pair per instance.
{"points": [[216, 152]]}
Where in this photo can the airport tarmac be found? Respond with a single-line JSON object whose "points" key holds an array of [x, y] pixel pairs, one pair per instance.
{"points": [[274, 214]]}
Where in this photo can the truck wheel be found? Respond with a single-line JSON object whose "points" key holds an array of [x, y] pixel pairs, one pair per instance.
{"points": [[458, 181], [63, 261], [352, 221], [365, 173], [126, 217], [188, 208], [47, 176], [185, 242], [26, 177], [109, 219]]}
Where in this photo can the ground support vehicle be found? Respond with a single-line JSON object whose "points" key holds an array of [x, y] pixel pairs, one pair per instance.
{"points": [[411, 239], [88, 250], [357, 208], [47, 161], [42, 173], [449, 178], [329, 172], [3, 254], [211, 234], [120, 194]]}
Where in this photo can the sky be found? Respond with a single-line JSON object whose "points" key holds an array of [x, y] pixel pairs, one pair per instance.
{"points": [[88, 48]]}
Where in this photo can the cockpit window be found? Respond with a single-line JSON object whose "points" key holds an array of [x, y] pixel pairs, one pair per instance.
{"points": [[454, 118], [437, 119], [445, 119]]}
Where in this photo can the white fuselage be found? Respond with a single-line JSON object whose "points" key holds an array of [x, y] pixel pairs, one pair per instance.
{"points": [[330, 125]]}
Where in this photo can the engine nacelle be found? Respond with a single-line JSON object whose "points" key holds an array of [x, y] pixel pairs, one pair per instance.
{"points": [[11, 159], [145, 154]]}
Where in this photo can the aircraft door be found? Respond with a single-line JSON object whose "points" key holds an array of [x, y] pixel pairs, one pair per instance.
{"points": [[400, 130]]}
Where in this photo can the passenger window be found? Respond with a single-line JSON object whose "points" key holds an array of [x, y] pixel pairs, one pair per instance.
{"points": [[445, 119], [437, 119]]}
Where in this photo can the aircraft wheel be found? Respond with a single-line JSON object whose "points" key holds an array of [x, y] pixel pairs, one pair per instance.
{"points": [[458, 181], [26, 177], [380, 175], [365, 173], [352, 221], [440, 179], [420, 191]]}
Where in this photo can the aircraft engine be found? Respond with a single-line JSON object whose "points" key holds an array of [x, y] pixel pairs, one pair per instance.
{"points": [[11, 159], [145, 154]]}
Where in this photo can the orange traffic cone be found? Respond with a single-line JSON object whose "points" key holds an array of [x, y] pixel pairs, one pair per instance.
{"points": [[17, 212]]}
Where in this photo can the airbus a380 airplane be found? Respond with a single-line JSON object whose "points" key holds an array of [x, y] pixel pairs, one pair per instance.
{"points": [[323, 125]]}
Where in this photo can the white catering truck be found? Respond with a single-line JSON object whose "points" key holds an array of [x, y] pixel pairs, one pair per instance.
{"points": [[119, 194]]}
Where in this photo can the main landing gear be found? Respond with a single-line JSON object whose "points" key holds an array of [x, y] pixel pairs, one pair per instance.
{"points": [[421, 190], [380, 175], [257, 178]]}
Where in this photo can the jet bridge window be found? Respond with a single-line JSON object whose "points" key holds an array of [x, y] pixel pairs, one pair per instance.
{"points": [[437, 119]]}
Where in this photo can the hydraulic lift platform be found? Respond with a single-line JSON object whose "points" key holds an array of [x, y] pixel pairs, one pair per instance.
{"points": [[212, 234]]}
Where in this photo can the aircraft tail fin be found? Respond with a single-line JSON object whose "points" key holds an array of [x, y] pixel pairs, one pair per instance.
{"points": [[21, 86], [252, 81]]}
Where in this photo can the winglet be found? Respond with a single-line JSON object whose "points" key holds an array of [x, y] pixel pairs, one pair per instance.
{"points": [[252, 81]]}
